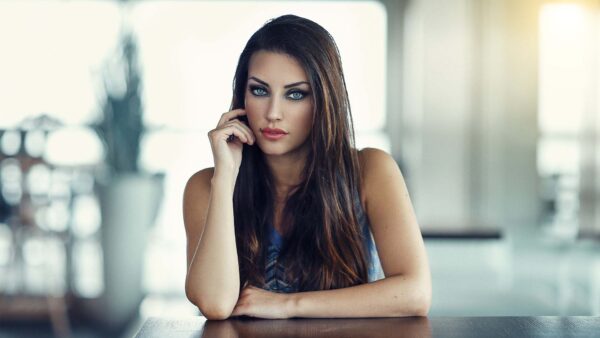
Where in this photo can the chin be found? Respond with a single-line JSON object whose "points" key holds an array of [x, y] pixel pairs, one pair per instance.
{"points": [[280, 149], [271, 150]]}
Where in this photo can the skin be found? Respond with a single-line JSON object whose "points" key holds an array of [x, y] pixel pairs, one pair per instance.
{"points": [[278, 96], [406, 288]]}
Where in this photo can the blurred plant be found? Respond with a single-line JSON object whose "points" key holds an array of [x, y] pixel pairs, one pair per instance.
{"points": [[121, 125]]}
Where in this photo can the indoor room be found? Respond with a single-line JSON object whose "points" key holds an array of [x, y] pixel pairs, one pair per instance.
{"points": [[489, 108]]}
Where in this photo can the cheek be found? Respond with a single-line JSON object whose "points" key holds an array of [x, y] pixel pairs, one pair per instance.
{"points": [[253, 106], [253, 113], [305, 117]]}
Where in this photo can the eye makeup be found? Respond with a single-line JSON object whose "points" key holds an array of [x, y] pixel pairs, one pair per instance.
{"points": [[257, 90], [294, 94], [299, 94]]}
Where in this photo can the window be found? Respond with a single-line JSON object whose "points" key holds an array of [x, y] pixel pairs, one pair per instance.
{"points": [[568, 115]]}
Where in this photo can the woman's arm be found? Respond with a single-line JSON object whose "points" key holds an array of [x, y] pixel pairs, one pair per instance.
{"points": [[396, 232], [406, 290], [393, 296], [212, 281]]}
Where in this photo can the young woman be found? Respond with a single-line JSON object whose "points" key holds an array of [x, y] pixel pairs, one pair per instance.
{"points": [[293, 221]]}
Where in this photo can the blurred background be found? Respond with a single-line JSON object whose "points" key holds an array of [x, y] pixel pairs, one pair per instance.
{"points": [[490, 107]]}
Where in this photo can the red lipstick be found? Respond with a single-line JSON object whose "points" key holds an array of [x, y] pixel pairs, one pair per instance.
{"points": [[273, 133]]}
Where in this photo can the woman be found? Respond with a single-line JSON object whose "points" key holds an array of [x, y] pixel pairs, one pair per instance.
{"points": [[283, 225]]}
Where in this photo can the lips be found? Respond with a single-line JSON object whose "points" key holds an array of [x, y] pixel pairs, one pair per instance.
{"points": [[273, 133]]}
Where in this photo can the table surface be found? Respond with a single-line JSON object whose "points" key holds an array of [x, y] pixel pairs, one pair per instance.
{"points": [[189, 327]]}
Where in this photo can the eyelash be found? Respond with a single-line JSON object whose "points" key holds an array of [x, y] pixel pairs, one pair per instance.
{"points": [[253, 90]]}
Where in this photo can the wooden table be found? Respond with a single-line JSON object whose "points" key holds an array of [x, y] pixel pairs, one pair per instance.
{"points": [[197, 327]]}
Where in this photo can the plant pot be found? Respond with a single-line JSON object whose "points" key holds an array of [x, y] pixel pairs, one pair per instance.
{"points": [[129, 204]]}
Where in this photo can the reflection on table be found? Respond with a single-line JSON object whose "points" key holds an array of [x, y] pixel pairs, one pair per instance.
{"points": [[249, 327], [199, 327], [343, 328]]}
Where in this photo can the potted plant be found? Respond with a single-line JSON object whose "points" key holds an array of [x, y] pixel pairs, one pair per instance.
{"points": [[129, 198]]}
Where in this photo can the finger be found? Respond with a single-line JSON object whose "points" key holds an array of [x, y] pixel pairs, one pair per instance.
{"points": [[244, 128], [231, 130], [237, 311], [242, 125], [226, 117], [247, 136], [245, 294], [248, 289]]}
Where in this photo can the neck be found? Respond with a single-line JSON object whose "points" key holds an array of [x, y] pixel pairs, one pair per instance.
{"points": [[286, 172]]}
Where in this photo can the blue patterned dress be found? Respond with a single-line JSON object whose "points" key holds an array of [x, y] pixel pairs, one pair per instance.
{"points": [[275, 279]]}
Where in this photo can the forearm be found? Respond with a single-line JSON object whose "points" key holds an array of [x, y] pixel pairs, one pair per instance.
{"points": [[212, 281], [395, 296]]}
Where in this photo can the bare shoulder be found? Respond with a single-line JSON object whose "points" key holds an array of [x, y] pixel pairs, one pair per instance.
{"points": [[378, 170], [372, 157], [198, 186], [200, 179], [195, 206], [374, 162], [195, 199]]}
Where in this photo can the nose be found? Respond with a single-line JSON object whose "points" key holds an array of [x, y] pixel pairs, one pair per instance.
{"points": [[274, 112]]}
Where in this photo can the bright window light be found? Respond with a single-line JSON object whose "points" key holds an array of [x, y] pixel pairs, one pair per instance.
{"points": [[52, 56], [563, 68], [189, 51]]}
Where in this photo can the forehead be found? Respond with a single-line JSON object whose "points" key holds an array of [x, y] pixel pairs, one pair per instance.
{"points": [[276, 68]]}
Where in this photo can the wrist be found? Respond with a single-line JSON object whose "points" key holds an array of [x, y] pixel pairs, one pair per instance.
{"points": [[225, 178], [291, 304], [225, 169]]}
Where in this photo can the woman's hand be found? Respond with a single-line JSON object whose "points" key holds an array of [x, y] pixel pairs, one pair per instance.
{"points": [[227, 140], [256, 302]]}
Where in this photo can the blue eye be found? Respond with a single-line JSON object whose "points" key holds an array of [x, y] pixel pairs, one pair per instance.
{"points": [[258, 91], [296, 95]]}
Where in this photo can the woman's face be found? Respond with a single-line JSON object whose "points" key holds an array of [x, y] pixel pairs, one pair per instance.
{"points": [[278, 96]]}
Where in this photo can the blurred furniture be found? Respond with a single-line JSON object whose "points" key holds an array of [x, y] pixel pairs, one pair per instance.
{"points": [[454, 232], [32, 282], [70, 243]]}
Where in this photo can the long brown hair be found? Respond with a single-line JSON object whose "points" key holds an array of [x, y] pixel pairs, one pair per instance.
{"points": [[324, 247]]}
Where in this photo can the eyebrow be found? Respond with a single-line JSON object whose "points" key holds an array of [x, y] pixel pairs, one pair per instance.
{"points": [[286, 86]]}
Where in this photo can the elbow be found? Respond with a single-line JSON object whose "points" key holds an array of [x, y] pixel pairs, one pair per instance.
{"points": [[216, 311], [421, 310], [421, 303], [416, 304], [213, 308]]}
